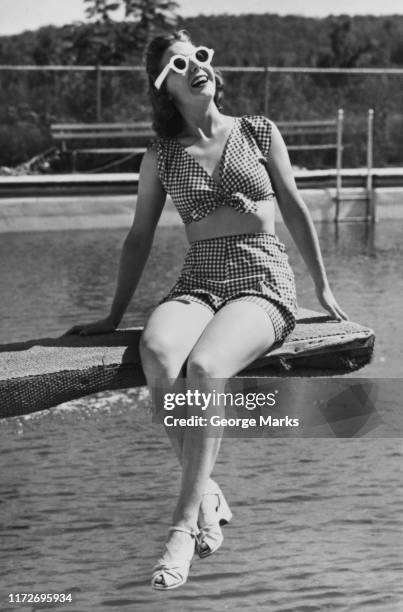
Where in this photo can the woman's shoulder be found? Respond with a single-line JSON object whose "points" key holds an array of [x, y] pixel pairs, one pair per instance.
{"points": [[160, 154], [156, 142], [164, 143], [159, 147], [257, 121], [260, 128]]}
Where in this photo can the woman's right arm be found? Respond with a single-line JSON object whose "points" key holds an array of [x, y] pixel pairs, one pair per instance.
{"points": [[136, 247]]}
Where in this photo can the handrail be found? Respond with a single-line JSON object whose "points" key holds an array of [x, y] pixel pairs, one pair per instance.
{"points": [[79, 126], [280, 69]]}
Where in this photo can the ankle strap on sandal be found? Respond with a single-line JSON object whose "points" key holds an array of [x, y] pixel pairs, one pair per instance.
{"points": [[190, 531]]}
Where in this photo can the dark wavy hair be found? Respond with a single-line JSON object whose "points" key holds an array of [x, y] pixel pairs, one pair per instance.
{"points": [[167, 120]]}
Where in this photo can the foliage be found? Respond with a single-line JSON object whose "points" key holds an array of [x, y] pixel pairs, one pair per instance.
{"points": [[247, 40], [147, 15], [139, 10]]}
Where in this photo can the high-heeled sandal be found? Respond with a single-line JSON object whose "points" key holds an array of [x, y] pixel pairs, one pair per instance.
{"points": [[175, 571], [210, 535]]}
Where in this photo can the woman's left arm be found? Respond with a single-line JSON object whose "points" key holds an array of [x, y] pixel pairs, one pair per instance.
{"points": [[298, 221]]}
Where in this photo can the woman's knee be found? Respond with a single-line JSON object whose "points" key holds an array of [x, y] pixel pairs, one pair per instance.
{"points": [[158, 355], [202, 365]]}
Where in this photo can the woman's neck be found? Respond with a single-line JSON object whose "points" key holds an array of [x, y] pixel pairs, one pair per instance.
{"points": [[200, 120]]}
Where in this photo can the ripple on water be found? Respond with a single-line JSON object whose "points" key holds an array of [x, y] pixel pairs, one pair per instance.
{"points": [[87, 489]]}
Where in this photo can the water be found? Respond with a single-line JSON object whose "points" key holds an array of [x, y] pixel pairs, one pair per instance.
{"points": [[53, 280], [87, 489]]}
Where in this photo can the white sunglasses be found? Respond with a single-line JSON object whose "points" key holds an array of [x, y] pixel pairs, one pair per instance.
{"points": [[201, 56]]}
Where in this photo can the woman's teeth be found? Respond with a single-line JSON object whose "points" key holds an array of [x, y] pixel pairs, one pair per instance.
{"points": [[199, 80]]}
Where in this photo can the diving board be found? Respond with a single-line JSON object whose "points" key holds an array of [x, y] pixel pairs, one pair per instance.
{"points": [[45, 372]]}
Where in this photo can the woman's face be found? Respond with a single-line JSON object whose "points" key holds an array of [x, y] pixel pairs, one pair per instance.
{"points": [[197, 83]]}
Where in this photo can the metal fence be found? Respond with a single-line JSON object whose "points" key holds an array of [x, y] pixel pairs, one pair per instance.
{"points": [[51, 93], [266, 71]]}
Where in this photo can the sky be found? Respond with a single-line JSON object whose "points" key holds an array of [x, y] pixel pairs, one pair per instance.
{"points": [[19, 15]]}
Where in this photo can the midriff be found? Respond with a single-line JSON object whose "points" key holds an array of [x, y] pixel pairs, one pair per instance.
{"points": [[226, 221]]}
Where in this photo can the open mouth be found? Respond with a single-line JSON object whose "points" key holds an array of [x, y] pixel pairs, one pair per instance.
{"points": [[199, 80]]}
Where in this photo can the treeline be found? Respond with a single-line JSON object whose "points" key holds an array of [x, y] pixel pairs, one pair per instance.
{"points": [[30, 101]]}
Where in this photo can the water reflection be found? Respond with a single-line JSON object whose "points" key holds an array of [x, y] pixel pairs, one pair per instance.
{"points": [[362, 236]]}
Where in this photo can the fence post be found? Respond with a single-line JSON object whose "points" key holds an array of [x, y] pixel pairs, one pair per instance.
{"points": [[339, 157], [266, 91], [370, 155], [98, 90]]}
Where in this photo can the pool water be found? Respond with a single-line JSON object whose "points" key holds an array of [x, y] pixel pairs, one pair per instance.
{"points": [[52, 280], [87, 489]]}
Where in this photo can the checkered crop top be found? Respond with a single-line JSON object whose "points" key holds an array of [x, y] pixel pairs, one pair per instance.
{"points": [[243, 179]]}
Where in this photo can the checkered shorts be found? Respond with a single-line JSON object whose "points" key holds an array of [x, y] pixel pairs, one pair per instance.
{"points": [[247, 267]]}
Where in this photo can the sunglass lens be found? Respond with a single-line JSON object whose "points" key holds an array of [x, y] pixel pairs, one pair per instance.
{"points": [[180, 63], [202, 55]]}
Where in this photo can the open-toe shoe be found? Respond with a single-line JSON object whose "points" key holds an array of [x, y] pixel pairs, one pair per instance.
{"points": [[173, 572]]}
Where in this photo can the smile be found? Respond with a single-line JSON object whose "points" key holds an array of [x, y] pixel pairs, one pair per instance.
{"points": [[199, 80]]}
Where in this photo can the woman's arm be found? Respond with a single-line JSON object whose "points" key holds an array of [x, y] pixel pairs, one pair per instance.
{"points": [[136, 247], [298, 221]]}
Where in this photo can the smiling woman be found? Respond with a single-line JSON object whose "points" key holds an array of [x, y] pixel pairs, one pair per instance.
{"points": [[167, 119], [235, 297]]}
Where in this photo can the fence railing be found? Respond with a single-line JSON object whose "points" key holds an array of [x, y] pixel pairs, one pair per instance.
{"points": [[98, 70], [33, 97]]}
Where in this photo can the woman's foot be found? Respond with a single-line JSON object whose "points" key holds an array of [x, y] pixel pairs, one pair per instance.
{"points": [[214, 512], [172, 568]]}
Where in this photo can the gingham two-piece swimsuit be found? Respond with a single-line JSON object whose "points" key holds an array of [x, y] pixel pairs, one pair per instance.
{"points": [[247, 267]]}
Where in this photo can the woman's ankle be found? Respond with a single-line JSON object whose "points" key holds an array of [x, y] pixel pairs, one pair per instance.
{"points": [[212, 487], [185, 521]]}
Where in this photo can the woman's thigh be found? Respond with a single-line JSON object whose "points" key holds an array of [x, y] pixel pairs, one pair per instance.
{"points": [[172, 330], [237, 335]]}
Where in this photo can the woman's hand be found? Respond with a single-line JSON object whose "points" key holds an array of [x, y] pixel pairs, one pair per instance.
{"points": [[328, 301], [103, 326]]}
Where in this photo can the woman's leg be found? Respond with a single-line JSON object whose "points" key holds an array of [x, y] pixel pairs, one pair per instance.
{"points": [[239, 333], [234, 337], [170, 334], [168, 337]]}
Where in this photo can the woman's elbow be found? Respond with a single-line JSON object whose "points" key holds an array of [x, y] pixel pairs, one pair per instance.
{"points": [[292, 208], [137, 240]]}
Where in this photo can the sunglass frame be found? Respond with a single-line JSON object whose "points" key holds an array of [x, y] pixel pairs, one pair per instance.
{"points": [[171, 64]]}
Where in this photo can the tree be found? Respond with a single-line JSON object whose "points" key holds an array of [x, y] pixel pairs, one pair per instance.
{"points": [[147, 14], [142, 18], [351, 44]]}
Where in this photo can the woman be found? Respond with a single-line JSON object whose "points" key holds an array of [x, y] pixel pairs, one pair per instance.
{"points": [[221, 173]]}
